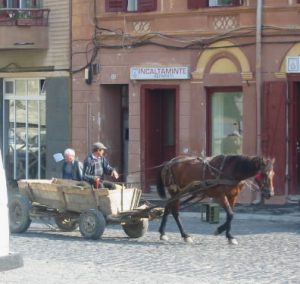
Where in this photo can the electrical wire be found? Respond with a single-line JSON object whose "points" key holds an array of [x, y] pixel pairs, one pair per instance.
{"points": [[102, 37]]}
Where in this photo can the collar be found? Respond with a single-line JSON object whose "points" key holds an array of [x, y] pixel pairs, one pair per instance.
{"points": [[96, 158]]}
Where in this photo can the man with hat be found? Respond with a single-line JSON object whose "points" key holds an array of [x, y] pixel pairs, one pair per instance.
{"points": [[96, 167]]}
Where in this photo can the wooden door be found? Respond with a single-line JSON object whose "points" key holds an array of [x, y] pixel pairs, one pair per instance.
{"points": [[294, 141], [273, 140], [159, 135], [297, 134]]}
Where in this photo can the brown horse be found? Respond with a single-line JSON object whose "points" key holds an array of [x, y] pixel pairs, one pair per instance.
{"points": [[221, 177]]}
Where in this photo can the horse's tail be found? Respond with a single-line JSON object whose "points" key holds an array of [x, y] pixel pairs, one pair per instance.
{"points": [[159, 185]]}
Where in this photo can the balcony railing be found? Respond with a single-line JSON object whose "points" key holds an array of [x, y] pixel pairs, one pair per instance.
{"points": [[24, 17]]}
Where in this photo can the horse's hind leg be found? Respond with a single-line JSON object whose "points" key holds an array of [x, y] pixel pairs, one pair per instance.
{"points": [[175, 213]]}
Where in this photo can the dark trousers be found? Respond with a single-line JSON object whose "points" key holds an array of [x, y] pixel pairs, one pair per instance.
{"points": [[108, 184]]}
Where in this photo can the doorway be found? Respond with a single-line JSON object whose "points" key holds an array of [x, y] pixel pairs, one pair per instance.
{"points": [[158, 130], [295, 137], [112, 126]]}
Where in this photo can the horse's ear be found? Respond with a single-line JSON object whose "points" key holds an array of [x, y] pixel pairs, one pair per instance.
{"points": [[270, 162]]}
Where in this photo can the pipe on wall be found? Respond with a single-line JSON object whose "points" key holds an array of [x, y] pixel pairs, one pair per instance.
{"points": [[258, 72]]}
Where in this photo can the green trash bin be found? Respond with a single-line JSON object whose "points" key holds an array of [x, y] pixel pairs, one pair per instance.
{"points": [[210, 212]]}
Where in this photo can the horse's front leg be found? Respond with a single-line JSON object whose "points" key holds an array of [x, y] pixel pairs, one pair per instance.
{"points": [[162, 227], [229, 217], [175, 213], [227, 205]]}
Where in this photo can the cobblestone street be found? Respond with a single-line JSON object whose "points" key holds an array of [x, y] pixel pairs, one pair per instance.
{"points": [[268, 252]]}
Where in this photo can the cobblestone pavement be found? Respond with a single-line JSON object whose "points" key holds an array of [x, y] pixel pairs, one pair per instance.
{"points": [[268, 252]]}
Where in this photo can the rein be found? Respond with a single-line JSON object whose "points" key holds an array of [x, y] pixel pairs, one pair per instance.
{"points": [[154, 167]]}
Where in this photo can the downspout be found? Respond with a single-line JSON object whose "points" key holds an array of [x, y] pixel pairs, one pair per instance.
{"points": [[258, 74], [71, 69], [286, 183]]}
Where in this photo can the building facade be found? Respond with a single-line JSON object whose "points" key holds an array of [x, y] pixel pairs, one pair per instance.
{"points": [[153, 79], [35, 86]]}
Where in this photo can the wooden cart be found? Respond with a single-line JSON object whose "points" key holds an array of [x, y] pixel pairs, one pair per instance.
{"points": [[73, 204]]}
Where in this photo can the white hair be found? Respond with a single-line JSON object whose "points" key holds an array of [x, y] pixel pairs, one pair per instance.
{"points": [[69, 151]]}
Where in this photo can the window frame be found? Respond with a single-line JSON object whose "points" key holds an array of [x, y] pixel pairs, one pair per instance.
{"points": [[209, 93], [197, 4], [20, 4], [121, 6]]}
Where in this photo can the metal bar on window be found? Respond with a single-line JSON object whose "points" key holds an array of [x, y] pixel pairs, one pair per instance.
{"points": [[26, 140], [15, 145], [39, 139]]}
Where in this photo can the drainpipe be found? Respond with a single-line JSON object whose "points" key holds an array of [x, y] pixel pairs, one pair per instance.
{"points": [[7, 260], [258, 73]]}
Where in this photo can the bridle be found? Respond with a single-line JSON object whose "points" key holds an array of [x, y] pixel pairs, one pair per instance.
{"points": [[264, 180]]}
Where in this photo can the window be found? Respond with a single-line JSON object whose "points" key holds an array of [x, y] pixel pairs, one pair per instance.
{"points": [[215, 3], [226, 123], [196, 4], [130, 5], [22, 4], [24, 128]]}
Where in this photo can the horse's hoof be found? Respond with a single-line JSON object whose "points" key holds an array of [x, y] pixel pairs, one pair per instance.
{"points": [[233, 242], [216, 233], [164, 238], [188, 240]]}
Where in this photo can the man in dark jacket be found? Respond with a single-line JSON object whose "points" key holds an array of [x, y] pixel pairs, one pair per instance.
{"points": [[96, 167], [71, 169]]}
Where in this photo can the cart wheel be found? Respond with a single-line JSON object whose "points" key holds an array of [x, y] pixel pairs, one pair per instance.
{"points": [[19, 208], [137, 228], [65, 222], [92, 224]]}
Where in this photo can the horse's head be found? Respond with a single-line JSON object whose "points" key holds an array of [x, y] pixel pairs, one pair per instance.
{"points": [[264, 178]]}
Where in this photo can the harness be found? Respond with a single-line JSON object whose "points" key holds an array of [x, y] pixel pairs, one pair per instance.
{"points": [[169, 178], [168, 175]]}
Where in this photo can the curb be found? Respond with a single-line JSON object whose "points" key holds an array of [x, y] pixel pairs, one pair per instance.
{"points": [[246, 216], [11, 261]]}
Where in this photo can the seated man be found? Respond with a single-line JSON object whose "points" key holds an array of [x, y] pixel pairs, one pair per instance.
{"points": [[96, 167], [72, 168]]}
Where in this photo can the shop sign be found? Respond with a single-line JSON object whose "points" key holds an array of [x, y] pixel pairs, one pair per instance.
{"points": [[293, 64], [160, 73]]}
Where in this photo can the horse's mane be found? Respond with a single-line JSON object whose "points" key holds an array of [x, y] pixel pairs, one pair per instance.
{"points": [[240, 165], [245, 163]]}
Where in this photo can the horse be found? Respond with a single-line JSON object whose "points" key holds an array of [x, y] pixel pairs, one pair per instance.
{"points": [[220, 177]]}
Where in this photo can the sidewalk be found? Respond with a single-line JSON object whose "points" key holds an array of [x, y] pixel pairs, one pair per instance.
{"points": [[286, 212]]}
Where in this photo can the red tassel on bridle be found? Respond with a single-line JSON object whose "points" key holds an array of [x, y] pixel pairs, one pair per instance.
{"points": [[259, 176]]}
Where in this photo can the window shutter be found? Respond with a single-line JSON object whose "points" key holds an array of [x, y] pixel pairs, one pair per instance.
{"points": [[237, 2], [115, 5], [196, 4], [147, 5]]}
